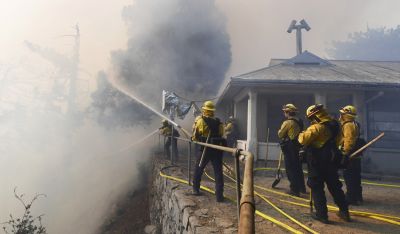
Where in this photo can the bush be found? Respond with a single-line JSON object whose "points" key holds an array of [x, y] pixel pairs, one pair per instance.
{"points": [[27, 224]]}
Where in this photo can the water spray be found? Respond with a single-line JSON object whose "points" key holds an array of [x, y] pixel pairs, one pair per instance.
{"points": [[137, 142], [128, 93]]}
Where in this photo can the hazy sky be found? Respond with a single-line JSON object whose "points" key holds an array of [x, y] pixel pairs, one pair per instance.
{"points": [[257, 27]]}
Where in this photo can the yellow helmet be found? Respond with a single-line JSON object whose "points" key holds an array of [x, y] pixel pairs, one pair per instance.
{"points": [[164, 122], [208, 105], [350, 110], [314, 109], [289, 108]]}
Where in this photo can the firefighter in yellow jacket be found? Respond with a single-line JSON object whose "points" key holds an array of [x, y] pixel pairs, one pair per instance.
{"points": [[318, 141], [166, 130], [209, 129], [347, 144], [288, 134], [231, 132]]}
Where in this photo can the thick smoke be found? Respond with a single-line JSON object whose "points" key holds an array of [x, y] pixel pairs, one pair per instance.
{"points": [[174, 45], [82, 171]]}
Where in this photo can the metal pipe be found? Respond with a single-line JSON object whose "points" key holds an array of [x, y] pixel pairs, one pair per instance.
{"points": [[189, 160], [204, 150], [171, 152], [218, 147], [298, 40], [266, 153], [172, 144], [247, 205], [238, 190], [164, 151], [373, 98]]}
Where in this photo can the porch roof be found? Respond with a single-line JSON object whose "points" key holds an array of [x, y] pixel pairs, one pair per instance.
{"points": [[308, 70]]}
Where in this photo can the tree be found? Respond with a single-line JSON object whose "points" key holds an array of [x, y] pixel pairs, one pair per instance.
{"points": [[27, 224], [112, 108], [379, 44]]}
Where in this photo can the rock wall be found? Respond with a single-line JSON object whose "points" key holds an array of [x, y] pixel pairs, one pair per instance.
{"points": [[174, 210], [170, 208]]}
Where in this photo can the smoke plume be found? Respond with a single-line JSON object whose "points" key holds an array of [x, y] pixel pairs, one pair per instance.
{"points": [[176, 45]]}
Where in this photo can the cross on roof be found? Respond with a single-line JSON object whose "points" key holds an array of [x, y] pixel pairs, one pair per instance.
{"points": [[302, 25]]}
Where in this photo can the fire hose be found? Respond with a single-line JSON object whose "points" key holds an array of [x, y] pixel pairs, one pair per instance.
{"points": [[380, 217], [259, 213], [375, 216], [362, 182], [264, 198]]}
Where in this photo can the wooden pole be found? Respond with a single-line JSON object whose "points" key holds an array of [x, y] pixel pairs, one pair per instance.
{"points": [[353, 155]]}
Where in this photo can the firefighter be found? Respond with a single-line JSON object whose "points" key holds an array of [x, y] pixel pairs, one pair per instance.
{"points": [[348, 143], [288, 134], [166, 130], [209, 129], [231, 132], [318, 143]]}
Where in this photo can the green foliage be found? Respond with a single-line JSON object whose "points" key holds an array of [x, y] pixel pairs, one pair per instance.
{"points": [[27, 224]]}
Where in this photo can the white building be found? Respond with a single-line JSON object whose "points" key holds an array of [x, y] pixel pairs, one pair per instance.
{"points": [[255, 99]]}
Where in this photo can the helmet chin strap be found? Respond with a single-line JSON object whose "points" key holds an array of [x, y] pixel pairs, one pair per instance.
{"points": [[314, 118]]}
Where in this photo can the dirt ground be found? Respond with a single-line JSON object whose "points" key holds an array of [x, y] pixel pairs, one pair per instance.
{"points": [[382, 200]]}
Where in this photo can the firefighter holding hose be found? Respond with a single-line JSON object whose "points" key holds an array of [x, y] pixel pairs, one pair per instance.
{"points": [[166, 130], [209, 129], [231, 132], [318, 142]]}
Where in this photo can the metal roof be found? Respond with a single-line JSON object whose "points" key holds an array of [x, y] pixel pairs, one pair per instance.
{"points": [[309, 68]]}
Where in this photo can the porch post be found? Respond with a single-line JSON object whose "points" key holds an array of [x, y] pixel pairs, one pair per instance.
{"points": [[252, 141], [359, 103]]}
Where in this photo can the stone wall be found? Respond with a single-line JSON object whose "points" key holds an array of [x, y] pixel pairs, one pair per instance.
{"points": [[174, 210]]}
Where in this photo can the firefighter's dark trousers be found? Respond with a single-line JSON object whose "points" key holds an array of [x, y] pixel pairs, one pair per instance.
{"points": [[294, 170], [231, 141], [322, 171], [352, 178], [216, 160], [167, 147]]}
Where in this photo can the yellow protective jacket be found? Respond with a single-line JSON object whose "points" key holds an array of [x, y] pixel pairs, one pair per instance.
{"points": [[317, 134], [228, 128], [166, 130], [347, 138], [200, 128], [289, 129]]}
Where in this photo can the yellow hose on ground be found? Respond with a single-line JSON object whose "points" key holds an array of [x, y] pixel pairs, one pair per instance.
{"points": [[380, 217], [264, 198], [306, 200], [362, 182], [277, 222], [285, 214], [379, 184], [259, 213], [356, 213], [280, 193]]}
